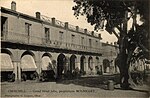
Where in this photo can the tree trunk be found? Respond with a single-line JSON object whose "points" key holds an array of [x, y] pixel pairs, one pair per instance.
{"points": [[123, 67], [123, 56], [124, 75]]}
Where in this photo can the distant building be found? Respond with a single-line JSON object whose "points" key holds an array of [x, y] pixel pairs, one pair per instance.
{"points": [[109, 54], [32, 46]]}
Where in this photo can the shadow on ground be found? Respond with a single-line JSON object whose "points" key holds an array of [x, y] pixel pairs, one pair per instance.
{"points": [[98, 82], [92, 81]]}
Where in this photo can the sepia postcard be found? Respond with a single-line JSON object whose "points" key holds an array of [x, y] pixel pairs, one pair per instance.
{"points": [[75, 48]]}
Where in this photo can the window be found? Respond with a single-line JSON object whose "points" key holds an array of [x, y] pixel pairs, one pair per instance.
{"points": [[27, 28], [90, 42], [4, 25], [82, 40], [60, 35], [72, 38], [47, 34]]}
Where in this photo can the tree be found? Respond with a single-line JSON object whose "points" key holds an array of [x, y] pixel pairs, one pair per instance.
{"points": [[113, 14]]}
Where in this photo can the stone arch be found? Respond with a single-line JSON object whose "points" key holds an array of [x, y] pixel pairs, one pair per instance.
{"points": [[47, 54], [28, 61], [82, 63], [47, 61], [28, 66], [61, 62], [106, 64], [73, 60], [6, 66], [90, 63], [6, 60], [28, 53], [7, 52]]}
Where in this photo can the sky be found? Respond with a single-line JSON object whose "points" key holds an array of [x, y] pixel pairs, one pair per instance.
{"points": [[60, 9]]}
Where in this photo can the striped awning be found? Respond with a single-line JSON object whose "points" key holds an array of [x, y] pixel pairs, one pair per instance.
{"points": [[6, 62], [46, 63], [28, 63]]}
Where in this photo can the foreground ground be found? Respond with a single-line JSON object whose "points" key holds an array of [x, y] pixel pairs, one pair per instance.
{"points": [[85, 87]]}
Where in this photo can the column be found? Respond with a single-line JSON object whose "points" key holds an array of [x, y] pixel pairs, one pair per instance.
{"points": [[86, 65], [77, 63], [38, 61], [17, 70]]}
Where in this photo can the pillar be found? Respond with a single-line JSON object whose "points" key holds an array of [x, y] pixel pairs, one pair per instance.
{"points": [[39, 66], [17, 70], [77, 62], [38, 61], [86, 65]]}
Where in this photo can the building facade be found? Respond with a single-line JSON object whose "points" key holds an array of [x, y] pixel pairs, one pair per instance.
{"points": [[31, 46], [110, 52]]}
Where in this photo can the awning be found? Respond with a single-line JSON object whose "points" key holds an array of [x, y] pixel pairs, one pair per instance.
{"points": [[6, 62], [28, 63], [46, 63]]}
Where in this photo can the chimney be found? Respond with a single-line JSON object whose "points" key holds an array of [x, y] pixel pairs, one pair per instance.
{"points": [[38, 15], [92, 33], [66, 25], [13, 5], [77, 28], [99, 35], [53, 21], [85, 30]]}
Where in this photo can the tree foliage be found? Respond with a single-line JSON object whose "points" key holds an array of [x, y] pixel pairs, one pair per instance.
{"points": [[97, 11], [113, 11], [111, 14]]}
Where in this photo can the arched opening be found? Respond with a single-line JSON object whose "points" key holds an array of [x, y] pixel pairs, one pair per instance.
{"points": [[7, 52], [47, 68], [61, 62], [82, 65], [90, 63], [73, 59], [98, 67], [106, 65], [6, 65], [28, 66], [47, 62], [28, 53]]}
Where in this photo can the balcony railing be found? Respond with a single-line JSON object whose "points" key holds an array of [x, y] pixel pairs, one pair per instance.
{"points": [[47, 19], [72, 27], [59, 23], [39, 41]]}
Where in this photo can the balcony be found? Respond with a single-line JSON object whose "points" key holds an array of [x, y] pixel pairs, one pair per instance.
{"points": [[39, 41]]}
